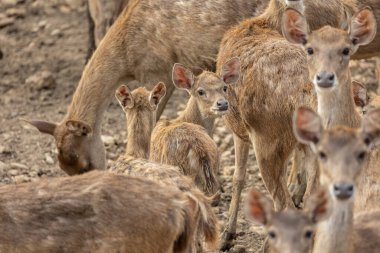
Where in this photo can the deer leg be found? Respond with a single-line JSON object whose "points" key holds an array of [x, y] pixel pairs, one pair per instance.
{"points": [[241, 157], [272, 157], [297, 179], [378, 73], [312, 173]]}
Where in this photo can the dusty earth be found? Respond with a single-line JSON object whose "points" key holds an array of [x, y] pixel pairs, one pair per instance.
{"points": [[43, 45]]}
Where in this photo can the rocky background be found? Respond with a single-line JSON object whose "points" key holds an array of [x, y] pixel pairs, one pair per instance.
{"points": [[43, 45]]}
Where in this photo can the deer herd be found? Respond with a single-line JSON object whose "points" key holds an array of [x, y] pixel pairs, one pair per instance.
{"points": [[282, 83]]}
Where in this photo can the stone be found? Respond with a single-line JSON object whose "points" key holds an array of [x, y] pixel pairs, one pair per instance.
{"points": [[19, 166], [43, 80], [108, 140], [13, 172], [16, 12], [6, 22], [49, 159]]}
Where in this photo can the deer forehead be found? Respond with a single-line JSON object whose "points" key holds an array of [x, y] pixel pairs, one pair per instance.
{"points": [[329, 38], [209, 81], [291, 219], [341, 140], [141, 96]]}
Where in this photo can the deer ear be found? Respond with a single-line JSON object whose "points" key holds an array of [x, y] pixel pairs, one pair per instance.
{"points": [[307, 126], [78, 128], [363, 27], [231, 71], [294, 27], [371, 127], [318, 206], [183, 78], [259, 208], [124, 97], [158, 92], [43, 126], [360, 94]]}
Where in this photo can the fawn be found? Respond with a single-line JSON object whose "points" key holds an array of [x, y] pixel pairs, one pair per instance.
{"points": [[328, 68], [289, 231], [185, 141], [96, 212], [273, 83], [343, 154], [140, 108]]}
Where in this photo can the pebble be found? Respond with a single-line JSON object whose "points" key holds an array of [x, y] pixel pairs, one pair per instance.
{"points": [[19, 166], [6, 22], [3, 167], [49, 159], [56, 32], [13, 172], [17, 13], [108, 140], [43, 80], [21, 179]]}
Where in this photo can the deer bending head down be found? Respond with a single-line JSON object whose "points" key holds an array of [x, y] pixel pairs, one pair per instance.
{"points": [[290, 230]]}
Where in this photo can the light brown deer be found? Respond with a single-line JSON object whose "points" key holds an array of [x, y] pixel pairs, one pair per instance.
{"points": [[329, 50], [142, 45], [101, 15], [273, 83], [185, 141], [289, 231], [140, 108], [343, 154], [96, 212]]}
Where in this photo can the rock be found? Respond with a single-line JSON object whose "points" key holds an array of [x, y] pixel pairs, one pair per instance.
{"points": [[21, 179], [108, 140], [6, 22], [17, 13], [42, 24], [56, 32], [8, 3], [74, 4], [49, 159], [13, 172], [3, 167], [43, 80], [18, 167]]}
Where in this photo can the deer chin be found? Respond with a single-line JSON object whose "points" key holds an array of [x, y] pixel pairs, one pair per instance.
{"points": [[218, 112]]}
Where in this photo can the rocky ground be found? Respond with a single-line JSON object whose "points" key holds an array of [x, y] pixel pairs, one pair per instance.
{"points": [[43, 45]]}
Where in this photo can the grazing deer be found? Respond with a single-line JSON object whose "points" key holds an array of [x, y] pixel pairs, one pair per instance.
{"points": [[101, 15], [136, 48], [186, 141], [140, 108], [343, 154], [96, 212], [273, 83], [329, 50], [289, 231]]}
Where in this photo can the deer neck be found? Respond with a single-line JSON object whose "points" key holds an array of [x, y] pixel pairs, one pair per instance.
{"points": [[335, 235], [140, 129], [337, 106], [192, 114], [100, 78]]}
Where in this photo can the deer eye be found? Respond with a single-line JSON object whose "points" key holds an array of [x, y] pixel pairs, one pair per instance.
{"points": [[346, 51], [272, 234], [322, 155], [310, 51], [361, 156], [225, 88], [308, 234], [201, 92]]}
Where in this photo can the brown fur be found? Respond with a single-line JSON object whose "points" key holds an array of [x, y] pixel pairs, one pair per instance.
{"points": [[185, 141], [343, 155], [95, 212], [140, 114], [274, 82]]}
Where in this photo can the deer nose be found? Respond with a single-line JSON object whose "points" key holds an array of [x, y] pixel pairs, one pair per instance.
{"points": [[343, 191], [325, 79], [222, 105]]}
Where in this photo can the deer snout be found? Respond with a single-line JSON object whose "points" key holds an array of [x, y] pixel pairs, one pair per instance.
{"points": [[222, 105], [343, 191], [325, 79]]}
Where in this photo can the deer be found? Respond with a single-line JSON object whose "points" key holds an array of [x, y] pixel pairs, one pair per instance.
{"points": [[343, 154], [274, 81], [290, 230], [140, 107], [186, 141], [135, 49], [101, 15], [96, 212], [329, 70]]}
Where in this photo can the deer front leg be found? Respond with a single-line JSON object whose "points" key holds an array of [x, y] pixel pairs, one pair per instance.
{"points": [[297, 179], [378, 73], [241, 157]]}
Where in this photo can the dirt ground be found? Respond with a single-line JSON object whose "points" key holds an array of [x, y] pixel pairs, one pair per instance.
{"points": [[43, 45]]}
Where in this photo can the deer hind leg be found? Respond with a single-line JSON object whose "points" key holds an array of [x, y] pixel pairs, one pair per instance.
{"points": [[378, 73], [297, 181], [241, 157], [272, 157]]}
